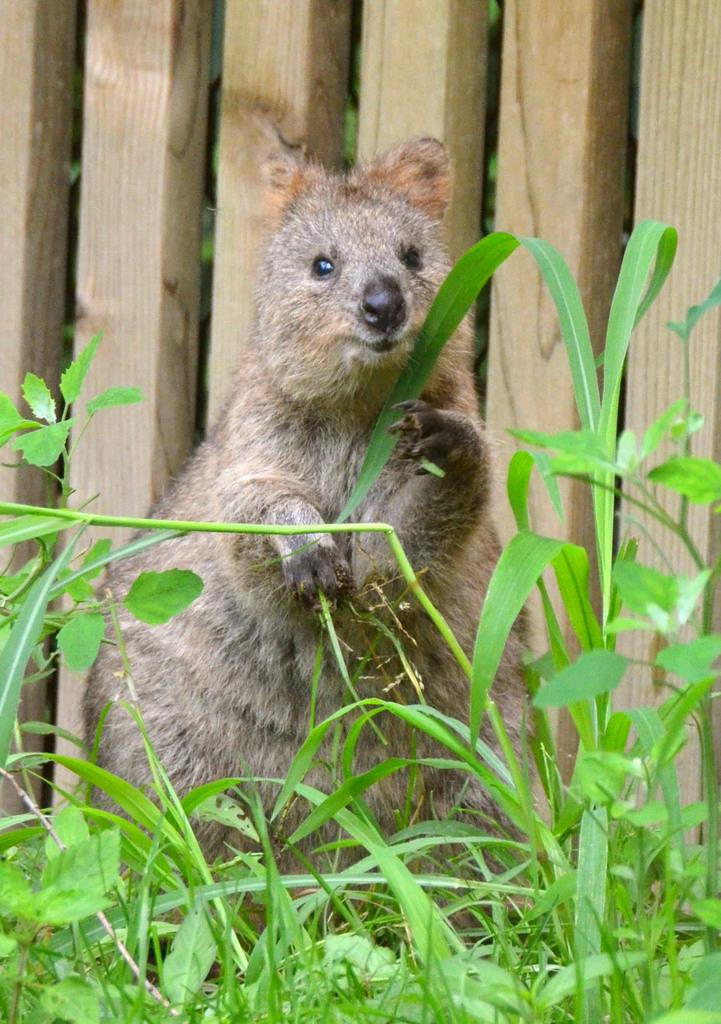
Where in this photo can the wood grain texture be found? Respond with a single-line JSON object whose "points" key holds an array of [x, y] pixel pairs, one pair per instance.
{"points": [[37, 42], [678, 181], [564, 101], [423, 72], [285, 71], [144, 127]]}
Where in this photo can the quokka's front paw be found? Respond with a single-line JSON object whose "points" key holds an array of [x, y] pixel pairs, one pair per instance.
{"points": [[316, 566], [447, 439]]}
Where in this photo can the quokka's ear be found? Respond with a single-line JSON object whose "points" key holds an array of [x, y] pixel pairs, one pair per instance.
{"points": [[420, 170], [283, 179]]}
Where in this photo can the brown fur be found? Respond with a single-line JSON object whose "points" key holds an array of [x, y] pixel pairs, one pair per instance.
{"points": [[224, 688]]}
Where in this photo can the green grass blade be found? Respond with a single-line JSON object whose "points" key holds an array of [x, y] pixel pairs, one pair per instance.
{"points": [[572, 573], [432, 937], [591, 898], [574, 328], [652, 244], [17, 651], [519, 567], [28, 528]]}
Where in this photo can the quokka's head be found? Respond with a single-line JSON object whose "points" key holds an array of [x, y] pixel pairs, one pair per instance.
{"points": [[352, 266]]}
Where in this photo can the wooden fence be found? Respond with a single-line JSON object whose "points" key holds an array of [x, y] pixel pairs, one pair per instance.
{"points": [[567, 171]]}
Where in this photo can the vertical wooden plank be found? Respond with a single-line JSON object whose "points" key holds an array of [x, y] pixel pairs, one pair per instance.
{"points": [[423, 72], [139, 248], [36, 62], [564, 101], [285, 71], [679, 181]]}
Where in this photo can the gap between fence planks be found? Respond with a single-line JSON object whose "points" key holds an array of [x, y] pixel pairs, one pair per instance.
{"points": [[678, 181], [564, 101], [144, 123], [285, 75], [423, 72], [37, 43]]}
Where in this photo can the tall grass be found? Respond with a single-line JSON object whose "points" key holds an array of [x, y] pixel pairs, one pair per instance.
{"points": [[602, 904]]}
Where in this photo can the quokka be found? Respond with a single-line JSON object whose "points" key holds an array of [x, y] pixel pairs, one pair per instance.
{"points": [[351, 267]]}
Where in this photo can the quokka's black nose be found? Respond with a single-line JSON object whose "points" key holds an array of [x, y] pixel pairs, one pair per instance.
{"points": [[383, 307]]}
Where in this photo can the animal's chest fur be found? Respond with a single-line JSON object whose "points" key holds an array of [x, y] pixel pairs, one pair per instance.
{"points": [[330, 461]]}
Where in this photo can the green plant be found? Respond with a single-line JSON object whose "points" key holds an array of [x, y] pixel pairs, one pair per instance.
{"points": [[606, 908]]}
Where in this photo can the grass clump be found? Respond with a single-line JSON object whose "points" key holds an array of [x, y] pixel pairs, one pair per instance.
{"points": [[600, 904]]}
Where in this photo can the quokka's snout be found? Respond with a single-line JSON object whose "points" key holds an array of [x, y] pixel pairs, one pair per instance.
{"points": [[383, 306]]}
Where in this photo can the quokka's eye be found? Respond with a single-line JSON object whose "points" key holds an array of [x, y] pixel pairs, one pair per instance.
{"points": [[322, 266], [411, 258]]}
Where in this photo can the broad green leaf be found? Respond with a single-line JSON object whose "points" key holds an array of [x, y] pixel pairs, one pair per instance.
{"points": [[80, 638], [37, 394], [685, 427], [696, 312], [18, 648], [191, 956], [155, 597], [601, 774], [114, 396], [222, 808], [72, 999], [96, 554], [11, 420], [706, 991], [369, 961], [8, 945], [70, 827], [627, 456], [75, 883], [42, 447], [577, 451], [71, 381], [694, 478], [692, 661], [594, 673], [642, 588], [652, 813], [660, 427], [9, 416], [16, 896], [521, 563], [708, 911]]}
